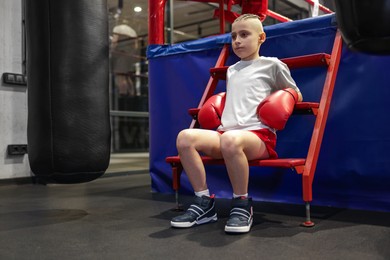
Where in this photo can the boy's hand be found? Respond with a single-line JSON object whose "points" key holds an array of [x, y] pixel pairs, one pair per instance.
{"points": [[209, 115], [276, 109]]}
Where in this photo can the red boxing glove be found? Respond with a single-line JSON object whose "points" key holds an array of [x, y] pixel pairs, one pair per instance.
{"points": [[209, 115], [275, 109]]}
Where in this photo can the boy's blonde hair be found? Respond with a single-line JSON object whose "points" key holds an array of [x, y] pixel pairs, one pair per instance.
{"points": [[244, 17]]}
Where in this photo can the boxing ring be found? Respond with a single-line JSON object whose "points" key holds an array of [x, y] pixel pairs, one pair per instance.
{"points": [[353, 167]]}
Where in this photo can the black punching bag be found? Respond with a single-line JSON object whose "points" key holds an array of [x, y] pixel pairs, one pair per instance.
{"points": [[68, 128], [365, 25]]}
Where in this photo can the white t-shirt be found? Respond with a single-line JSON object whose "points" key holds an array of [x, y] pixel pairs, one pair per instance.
{"points": [[248, 83]]}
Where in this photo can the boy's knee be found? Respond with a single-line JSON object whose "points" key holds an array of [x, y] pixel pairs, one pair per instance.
{"points": [[230, 144], [184, 139]]}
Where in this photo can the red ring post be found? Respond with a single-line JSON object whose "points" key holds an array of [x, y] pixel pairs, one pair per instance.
{"points": [[156, 21]]}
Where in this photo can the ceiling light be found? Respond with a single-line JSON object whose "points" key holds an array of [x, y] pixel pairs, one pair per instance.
{"points": [[137, 9]]}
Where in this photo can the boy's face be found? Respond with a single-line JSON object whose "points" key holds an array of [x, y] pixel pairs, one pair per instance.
{"points": [[247, 36]]}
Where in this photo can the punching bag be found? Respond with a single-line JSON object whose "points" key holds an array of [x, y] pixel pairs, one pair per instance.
{"points": [[68, 130], [364, 25]]}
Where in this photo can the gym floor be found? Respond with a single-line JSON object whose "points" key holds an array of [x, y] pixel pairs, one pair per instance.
{"points": [[118, 217]]}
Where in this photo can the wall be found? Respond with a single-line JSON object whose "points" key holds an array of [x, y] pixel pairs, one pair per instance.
{"points": [[13, 99]]}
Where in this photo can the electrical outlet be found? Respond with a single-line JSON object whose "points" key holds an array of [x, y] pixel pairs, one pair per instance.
{"points": [[17, 149], [14, 79]]}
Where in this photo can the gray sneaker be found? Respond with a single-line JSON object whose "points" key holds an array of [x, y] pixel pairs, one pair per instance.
{"points": [[241, 216], [201, 211]]}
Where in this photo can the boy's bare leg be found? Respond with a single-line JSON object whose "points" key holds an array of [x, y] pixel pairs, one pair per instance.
{"points": [[237, 147], [189, 143]]}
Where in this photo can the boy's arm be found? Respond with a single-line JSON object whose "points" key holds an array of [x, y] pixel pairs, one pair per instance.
{"points": [[284, 80], [300, 98]]}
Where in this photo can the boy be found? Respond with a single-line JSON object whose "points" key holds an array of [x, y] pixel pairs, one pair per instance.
{"points": [[241, 136]]}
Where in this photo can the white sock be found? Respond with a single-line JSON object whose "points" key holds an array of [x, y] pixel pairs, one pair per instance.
{"points": [[235, 196], [202, 193]]}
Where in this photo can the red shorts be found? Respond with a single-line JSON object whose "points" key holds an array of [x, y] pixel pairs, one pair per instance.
{"points": [[269, 139]]}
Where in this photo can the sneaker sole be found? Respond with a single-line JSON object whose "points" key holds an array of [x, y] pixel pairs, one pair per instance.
{"points": [[244, 229], [191, 224]]}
